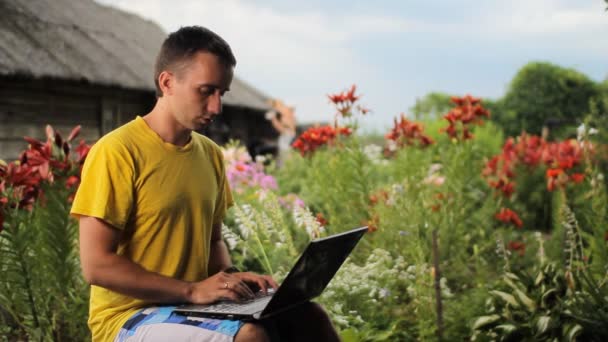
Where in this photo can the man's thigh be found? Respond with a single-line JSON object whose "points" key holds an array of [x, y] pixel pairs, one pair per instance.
{"points": [[163, 332], [162, 324]]}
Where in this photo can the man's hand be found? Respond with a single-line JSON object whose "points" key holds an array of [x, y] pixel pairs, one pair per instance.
{"points": [[103, 267], [257, 282], [225, 286]]}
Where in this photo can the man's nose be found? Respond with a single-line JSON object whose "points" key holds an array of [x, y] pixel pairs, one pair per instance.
{"points": [[214, 106]]}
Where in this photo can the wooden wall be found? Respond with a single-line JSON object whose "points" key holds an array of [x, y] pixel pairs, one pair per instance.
{"points": [[27, 106]]}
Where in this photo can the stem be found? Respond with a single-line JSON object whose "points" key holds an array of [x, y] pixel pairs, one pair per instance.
{"points": [[438, 287], [266, 261], [30, 296]]}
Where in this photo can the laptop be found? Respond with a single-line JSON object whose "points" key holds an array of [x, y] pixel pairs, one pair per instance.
{"points": [[306, 280]]}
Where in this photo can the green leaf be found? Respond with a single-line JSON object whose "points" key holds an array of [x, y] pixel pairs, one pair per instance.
{"points": [[512, 276], [529, 303], [539, 278], [385, 335], [573, 332], [507, 329], [542, 325], [509, 281], [506, 297], [548, 298], [484, 321], [349, 335]]}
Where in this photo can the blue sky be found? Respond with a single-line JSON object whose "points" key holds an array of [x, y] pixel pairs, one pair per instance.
{"points": [[395, 51]]}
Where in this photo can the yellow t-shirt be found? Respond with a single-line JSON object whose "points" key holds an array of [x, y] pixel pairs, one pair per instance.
{"points": [[164, 197]]}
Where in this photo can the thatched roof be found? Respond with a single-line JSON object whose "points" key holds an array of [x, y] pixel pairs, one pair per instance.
{"points": [[81, 40]]}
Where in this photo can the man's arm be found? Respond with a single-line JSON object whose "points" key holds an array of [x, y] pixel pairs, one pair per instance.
{"points": [[219, 256], [101, 266]]}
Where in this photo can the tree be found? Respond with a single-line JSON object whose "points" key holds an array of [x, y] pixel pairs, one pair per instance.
{"points": [[544, 94], [432, 105]]}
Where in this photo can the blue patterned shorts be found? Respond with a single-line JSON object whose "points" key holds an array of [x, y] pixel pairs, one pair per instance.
{"points": [[159, 323]]}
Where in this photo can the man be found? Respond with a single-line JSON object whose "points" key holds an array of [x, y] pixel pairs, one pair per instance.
{"points": [[151, 203], [283, 119]]}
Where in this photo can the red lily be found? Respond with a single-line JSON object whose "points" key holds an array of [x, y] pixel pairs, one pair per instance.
{"points": [[509, 216], [468, 111], [577, 177], [321, 219], [316, 137], [345, 100], [407, 133], [517, 246]]}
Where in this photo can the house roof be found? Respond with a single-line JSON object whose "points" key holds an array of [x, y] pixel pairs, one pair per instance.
{"points": [[82, 40]]}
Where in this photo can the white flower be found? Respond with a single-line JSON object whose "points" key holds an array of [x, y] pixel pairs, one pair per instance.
{"points": [[384, 292], [231, 238], [374, 153], [245, 231], [445, 290], [434, 179], [305, 219], [580, 131], [236, 154], [434, 168], [398, 188]]}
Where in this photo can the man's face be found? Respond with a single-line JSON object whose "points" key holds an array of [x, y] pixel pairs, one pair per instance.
{"points": [[195, 97]]}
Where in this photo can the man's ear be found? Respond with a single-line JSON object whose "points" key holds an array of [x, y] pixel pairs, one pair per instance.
{"points": [[166, 81]]}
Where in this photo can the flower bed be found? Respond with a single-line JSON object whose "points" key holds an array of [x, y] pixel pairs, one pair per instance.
{"points": [[458, 217]]}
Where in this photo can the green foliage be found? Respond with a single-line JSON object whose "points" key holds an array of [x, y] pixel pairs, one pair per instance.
{"points": [[385, 290], [376, 298], [352, 184], [546, 94], [597, 120], [505, 119], [432, 106], [336, 184], [262, 237], [566, 298], [42, 292], [545, 306]]}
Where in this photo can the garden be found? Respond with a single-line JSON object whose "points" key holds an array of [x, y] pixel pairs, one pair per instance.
{"points": [[473, 234]]}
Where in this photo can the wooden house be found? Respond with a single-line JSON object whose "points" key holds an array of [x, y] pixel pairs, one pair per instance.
{"points": [[77, 62]]}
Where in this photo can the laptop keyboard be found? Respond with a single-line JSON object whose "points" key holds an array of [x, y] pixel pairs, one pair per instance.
{"points": [[251, 306]]}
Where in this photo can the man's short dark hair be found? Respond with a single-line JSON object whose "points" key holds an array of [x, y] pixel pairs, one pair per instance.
{"points": [[182, 44]]}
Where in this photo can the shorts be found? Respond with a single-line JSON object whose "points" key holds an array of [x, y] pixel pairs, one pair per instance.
{"points": [[161, 324]]}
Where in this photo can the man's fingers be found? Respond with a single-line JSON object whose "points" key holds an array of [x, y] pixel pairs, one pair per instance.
{"points": [[262, 284], [271, 282], [241, 289]]}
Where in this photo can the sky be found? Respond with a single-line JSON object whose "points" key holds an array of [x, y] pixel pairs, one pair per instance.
{"points": [[394, 51]]}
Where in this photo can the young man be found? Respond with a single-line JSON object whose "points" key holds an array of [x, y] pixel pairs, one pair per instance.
{"points": [[283, 119], [151, 203]]}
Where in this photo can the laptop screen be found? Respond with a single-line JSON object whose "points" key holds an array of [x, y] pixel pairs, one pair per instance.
{"points": [[316, 267]]}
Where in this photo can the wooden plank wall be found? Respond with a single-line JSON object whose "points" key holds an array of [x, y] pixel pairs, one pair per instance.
{"points": [[27, 106]]}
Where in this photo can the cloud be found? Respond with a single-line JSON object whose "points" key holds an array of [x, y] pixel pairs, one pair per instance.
{"points": [[546, 17], [394, 51], [299, 56]]}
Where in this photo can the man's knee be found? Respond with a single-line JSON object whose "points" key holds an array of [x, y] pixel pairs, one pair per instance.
{"points": [[252, 332], [311, 311], [307, 322]]}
